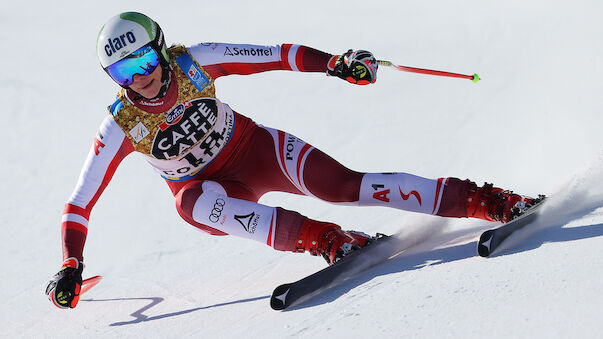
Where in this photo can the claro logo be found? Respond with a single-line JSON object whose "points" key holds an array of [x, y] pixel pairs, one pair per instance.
{"points": [[115, 44]]}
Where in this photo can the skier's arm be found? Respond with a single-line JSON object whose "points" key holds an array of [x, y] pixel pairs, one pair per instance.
{"points": [[220, 59], [109, 148]]}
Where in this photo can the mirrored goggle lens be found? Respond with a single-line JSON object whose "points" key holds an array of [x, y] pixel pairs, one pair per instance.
{"points": [[143, 61]]}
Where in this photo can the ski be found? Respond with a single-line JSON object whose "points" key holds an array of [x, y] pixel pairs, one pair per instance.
{"points": [[293, 293], [287, 295], [89, 283], [491, 239]]}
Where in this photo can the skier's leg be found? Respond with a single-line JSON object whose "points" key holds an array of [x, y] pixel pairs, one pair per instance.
{"points": [[207, 206], [210, 206], [316, 174]]}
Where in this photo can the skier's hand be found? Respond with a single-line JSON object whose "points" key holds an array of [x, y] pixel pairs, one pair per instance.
{"points": [[358, 67], [64, 287]]}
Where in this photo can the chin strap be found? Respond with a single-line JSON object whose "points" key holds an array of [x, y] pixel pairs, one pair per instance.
{"points": [[166, 79]]}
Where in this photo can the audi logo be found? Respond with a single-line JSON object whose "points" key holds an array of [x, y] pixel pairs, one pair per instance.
{"points": [[216, 212]]}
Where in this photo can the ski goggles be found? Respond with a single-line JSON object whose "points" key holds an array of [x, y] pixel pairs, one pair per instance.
{"points": [[142, 61]]}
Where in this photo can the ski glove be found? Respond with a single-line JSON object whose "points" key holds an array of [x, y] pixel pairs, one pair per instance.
{"points": [[64, 287], [358, 67]]}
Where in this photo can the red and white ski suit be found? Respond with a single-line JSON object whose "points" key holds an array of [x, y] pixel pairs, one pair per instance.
{"points": [[221, 197]]}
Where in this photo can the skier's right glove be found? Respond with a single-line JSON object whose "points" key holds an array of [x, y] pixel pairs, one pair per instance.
{"points": [[358, 67], [64, 287]]}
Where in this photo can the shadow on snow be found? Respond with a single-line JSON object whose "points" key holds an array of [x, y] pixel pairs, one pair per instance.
{"points": [[140, 317], [428, 253], [433, 253]]}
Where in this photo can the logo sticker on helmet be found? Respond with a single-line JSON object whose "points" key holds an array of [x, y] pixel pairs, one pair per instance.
{"points": [[115, 44]]}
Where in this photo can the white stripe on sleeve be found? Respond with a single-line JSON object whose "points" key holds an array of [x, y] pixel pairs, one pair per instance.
{"points": [[292, 54], [75, 218]]}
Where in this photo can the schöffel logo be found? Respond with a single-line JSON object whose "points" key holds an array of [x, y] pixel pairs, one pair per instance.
{"points": [[115, 44], [248, 51]]}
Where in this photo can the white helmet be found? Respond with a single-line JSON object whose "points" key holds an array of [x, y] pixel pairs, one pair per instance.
{"points": [[126, 33]]}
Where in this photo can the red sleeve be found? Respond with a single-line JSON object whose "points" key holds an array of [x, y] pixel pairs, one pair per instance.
{"points": [[304, 59], [109, 148], [220, 59]]}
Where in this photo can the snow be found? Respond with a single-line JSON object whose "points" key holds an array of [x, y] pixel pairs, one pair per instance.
{"points": [[532, 125]]}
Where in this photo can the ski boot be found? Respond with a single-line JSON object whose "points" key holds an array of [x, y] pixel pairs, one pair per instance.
{"points": [[495, 204], [329, 240]]}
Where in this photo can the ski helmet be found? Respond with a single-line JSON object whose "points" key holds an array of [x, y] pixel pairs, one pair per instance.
{"points": [[126, 33]]}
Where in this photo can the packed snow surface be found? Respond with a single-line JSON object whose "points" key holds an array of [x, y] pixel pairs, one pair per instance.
{"points": [[533, 125]]}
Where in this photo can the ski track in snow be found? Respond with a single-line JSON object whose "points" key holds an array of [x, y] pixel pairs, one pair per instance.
{"points": [[531, 125], [429, 244], [574, 200]]}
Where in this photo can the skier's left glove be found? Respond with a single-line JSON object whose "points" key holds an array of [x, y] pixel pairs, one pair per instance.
{"points": [[64, 287], [358, 67]]}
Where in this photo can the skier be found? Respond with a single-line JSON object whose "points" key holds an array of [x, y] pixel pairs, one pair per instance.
{"points": [[218, 163]]}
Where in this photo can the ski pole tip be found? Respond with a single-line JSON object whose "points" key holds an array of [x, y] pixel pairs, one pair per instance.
{"points": [[475, 78]]}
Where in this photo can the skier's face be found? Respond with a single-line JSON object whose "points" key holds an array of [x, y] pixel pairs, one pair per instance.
{"points": [[148, 85]]}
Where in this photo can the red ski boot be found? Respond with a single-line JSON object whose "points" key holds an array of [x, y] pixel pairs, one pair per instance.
{"points": [[495, 204], [329, 240]]}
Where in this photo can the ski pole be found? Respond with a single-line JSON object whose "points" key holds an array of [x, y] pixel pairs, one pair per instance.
{"points": [[475, 78]]}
